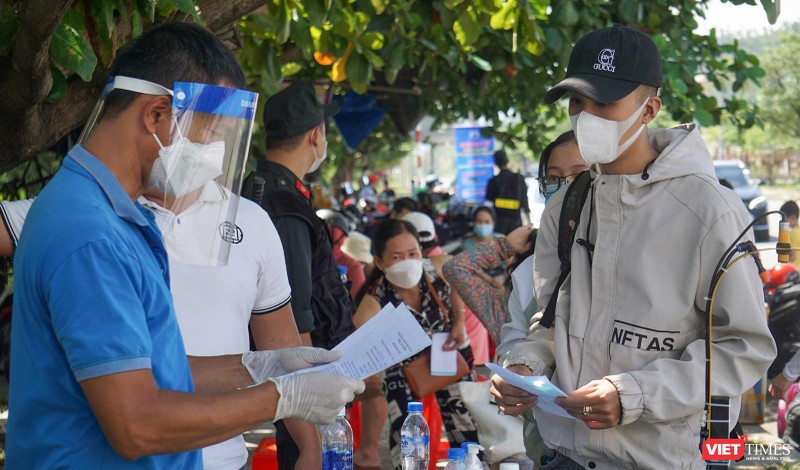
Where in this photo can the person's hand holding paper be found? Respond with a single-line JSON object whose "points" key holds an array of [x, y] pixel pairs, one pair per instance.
{"points": [[389, 337], [516, 393], [512, 400]]}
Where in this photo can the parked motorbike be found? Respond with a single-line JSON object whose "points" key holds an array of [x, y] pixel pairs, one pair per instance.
{"points": [[782, 295]]}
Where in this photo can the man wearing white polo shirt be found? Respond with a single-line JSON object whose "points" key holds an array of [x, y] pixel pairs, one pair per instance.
{"points": [[214, 304]]}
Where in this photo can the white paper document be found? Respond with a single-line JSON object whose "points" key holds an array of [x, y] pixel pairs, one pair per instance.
{"points": [[442, 362], [386, 339], [538, 385]]}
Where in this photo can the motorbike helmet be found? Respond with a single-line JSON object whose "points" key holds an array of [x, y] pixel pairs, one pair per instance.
{"points": [[335, 219], [783, 273]]}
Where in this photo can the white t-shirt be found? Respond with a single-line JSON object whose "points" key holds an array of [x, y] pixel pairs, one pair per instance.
{"points": [[213, 304]]}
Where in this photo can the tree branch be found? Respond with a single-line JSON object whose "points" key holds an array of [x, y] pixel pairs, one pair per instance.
{"points": [[27, 124]]}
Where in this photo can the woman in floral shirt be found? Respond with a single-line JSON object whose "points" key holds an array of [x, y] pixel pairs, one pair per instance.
{"points": [[402, 275]]}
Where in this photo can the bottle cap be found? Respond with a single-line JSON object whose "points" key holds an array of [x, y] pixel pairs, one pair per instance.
{"points": [[342, 269], [414, 407], [465, 445], [455, 453], [472, 448], [509, 466]]}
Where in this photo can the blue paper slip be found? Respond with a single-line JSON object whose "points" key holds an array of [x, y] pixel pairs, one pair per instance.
{"points": [[538, 385]]}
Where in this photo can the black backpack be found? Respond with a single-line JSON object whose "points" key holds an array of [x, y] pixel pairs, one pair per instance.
{"points": [[571, 208]]}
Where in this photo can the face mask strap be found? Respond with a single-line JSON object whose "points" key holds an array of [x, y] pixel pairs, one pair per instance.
{"points": [[628, 122]]}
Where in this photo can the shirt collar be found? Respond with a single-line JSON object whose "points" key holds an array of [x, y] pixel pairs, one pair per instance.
{"points": [[270, 166], [124, 207], [212, 192], [296, 184]]}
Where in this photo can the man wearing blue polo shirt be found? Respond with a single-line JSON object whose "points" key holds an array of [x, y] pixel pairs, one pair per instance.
{"points": [[100, 378]]}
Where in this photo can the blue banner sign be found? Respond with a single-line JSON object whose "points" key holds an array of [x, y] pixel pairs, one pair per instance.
{"points": [[474, 163]]}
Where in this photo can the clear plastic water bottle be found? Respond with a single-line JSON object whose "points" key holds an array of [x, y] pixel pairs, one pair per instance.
{"points": [[415, 439], [455, 459], [471, 460], [337, 444]]}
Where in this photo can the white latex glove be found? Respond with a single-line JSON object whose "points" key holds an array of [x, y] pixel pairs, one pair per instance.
{"points": [[314, 397], [263, 365]]}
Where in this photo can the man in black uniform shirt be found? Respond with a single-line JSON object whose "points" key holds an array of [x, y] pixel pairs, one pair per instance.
{"points": [[509, 194], [296, 145]]}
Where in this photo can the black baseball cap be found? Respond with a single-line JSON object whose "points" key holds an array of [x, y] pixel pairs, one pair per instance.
{"points": [[607, 64], [500, 157], [295, 110]]}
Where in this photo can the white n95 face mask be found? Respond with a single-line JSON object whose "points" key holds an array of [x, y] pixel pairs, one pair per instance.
{"points": [[405, 274], [598, 138], [185, 165]]}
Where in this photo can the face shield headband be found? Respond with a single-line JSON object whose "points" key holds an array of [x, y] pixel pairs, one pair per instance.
{"points": [[201, 168]]}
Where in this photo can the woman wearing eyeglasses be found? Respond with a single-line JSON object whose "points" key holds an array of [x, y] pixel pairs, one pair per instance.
{"points": [[561, 162]]}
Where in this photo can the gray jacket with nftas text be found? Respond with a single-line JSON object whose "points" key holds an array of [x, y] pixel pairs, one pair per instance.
{"points": [[635, 314]]}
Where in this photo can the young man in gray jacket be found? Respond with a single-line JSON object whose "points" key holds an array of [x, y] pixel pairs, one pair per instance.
{"points": [[627, 341]]}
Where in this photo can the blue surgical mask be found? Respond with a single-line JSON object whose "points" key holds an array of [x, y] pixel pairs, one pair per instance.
{"points": [[551, 189], [483, 230]]}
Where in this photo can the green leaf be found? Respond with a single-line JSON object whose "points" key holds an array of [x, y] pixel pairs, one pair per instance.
{"points": [[103, 13], [272, 65], [374, 59], [316, 12], [679, 86], [372, 40], [393, 53], [565, 14], [344, 25], [136, 23], [427, 43], [491, 6], [283, 23], [59, 88], [70, 49], [361, 22], [535, 37], [146, 8], [358, 72], [290, 68], [772, 7], [553, 38], [629, 11], [301, 35], [379, 6], [756, 72], [450, 4], [704, 117], [186, 6], [505, 18], [534, 47], [481, 63], [467, 29]]}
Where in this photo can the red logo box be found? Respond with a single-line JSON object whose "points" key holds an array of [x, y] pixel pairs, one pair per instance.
{"points": [[723, 449]]}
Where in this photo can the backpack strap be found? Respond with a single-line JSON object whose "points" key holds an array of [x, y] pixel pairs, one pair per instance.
{"points": [[568, 221]]}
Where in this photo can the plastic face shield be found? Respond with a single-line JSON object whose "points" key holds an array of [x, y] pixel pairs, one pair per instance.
{"points": [[198, 174]]}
